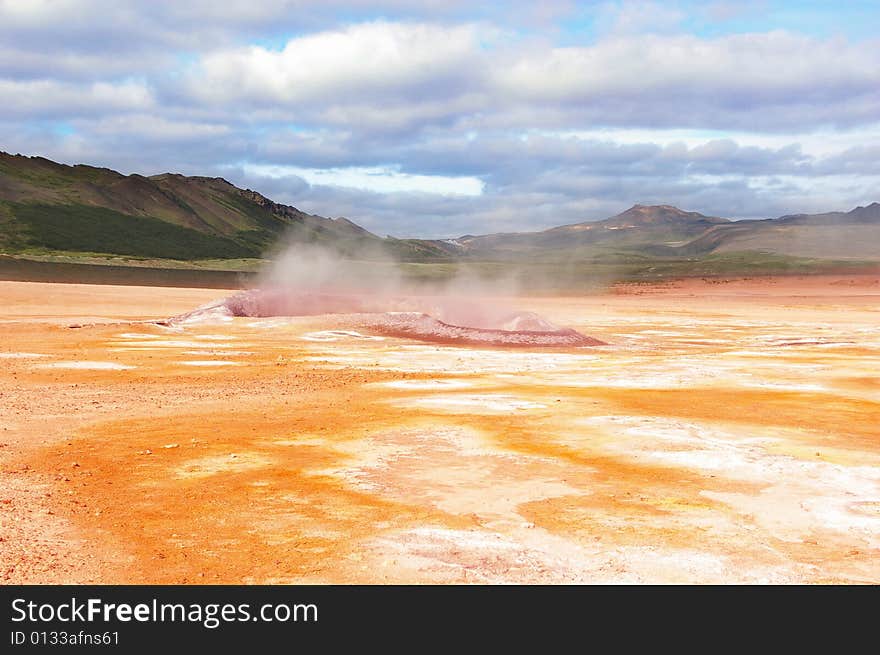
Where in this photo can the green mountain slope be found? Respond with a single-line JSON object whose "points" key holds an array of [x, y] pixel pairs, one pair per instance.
{"points": [[49, 209], [46, 206]]}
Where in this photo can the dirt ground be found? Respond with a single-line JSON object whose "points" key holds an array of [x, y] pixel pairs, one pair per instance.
{"points": [[730, 433]]}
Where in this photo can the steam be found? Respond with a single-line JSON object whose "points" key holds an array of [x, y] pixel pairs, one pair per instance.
{"points": [[464, 306], [314, 274], [312, 268]]}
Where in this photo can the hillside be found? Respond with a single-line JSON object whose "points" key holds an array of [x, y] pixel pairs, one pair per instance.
{"points": [[841, 235], [662, 231], [51, 207], [83, 214], [638, 226]]}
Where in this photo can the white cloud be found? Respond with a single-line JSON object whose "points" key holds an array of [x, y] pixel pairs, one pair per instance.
{"points": [[404, 75], [376, 179], [155, 128], [818, 143], [367, 58], [634, 17], [37, 12], [26, 63], [438, 118], [37, 98], [750, 70]]}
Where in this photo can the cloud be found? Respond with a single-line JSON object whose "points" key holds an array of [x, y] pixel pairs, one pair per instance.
{"points": [[47, 98], [403, 75], [763, 81], [155, 129], [373, 61], [381, 111], [28, 64], [378, 179], [638, 17], [859, 160], [527, 183]]}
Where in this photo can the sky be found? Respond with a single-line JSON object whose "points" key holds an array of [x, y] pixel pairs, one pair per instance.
{"points": [[442, 118]]}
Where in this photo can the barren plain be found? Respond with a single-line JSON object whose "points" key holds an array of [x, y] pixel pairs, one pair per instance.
{"points": [[729, 433]]}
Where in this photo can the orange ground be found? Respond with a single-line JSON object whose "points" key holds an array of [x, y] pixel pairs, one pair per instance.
{"points": [[729, 433]]}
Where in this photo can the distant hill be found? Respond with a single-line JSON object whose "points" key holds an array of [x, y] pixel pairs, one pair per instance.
{"points": [[638, 226], [839, 235], [665, 231], [46, 206]]}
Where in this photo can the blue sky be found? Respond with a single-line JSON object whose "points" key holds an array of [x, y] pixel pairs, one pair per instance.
{"points": [[440, 118]]}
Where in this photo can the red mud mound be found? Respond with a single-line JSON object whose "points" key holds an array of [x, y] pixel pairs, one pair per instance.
{"points": [[463, 323], [428, 328], [260, 303]]}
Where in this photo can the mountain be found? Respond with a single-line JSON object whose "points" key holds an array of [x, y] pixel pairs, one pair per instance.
{"points": [[639, 225], [860, 215], [46, 206], [833, 235], [662, 231]]}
